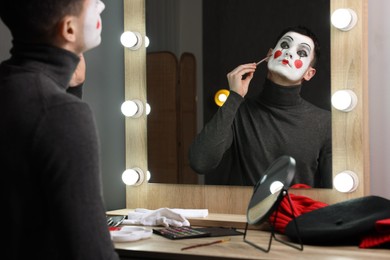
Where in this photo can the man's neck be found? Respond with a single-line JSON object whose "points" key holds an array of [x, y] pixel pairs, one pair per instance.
{"points": [[282, 81]]}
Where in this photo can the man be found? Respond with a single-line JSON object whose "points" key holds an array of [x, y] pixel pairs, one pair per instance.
{"points": [[245, 136], [50, 166]]}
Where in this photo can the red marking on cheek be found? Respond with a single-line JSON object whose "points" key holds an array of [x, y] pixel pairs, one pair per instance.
{"points": [[277, 54], [298, 64], [98, 24]]}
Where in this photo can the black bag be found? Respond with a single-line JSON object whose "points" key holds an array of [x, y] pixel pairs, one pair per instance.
{"points": [[343, 223]]}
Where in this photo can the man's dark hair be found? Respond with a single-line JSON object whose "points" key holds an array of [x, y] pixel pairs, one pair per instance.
{"points": [[307, 32], [36, 20]]}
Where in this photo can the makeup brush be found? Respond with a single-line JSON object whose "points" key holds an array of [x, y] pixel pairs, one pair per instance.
{"points": [[257, 64], [266, 58]]}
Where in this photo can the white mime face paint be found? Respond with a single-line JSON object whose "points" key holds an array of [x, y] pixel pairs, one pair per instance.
{"points": [[93, 24], [292, 56]]}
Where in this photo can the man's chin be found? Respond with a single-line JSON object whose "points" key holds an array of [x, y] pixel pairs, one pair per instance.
{"points": [[93, 44]]}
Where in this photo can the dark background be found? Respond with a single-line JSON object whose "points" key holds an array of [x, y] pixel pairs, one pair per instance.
{"points": [[242, 31]]}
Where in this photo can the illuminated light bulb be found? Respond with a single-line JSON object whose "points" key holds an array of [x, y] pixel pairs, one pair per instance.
{"points": [[344, 100], [132, 108], [221, 96], [148, 109], [148, 175], [344, 19], [275, 187], [133, 177], [346, 181], [147, 41], [131, 40]]}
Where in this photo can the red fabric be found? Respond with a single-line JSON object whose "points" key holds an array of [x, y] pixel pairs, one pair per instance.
{"points": [[380, 237], [300, 204], [383, 225], [114, 228]]}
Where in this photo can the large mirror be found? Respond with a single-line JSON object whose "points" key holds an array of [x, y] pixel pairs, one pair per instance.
{"points": [[220, 34], [349, 130]]}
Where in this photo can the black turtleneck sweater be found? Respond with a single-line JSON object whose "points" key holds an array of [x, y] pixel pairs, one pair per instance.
{"points": [[246, 135], [51, 190]]}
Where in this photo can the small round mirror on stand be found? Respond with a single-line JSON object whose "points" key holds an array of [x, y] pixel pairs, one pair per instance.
{"points": [[267, 195]]}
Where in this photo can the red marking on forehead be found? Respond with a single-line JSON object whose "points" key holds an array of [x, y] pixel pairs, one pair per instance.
{"points": [[277, 54], [298, 64]]}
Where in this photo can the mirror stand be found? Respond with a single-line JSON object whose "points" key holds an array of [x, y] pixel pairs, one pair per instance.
{"points": [[283, 193]]}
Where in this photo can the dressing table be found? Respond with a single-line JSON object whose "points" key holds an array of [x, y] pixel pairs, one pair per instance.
{"points": [[350, 152], [158, 247]]}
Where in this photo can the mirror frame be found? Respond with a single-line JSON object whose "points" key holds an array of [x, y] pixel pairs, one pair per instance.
{"points": [[350, 135]]}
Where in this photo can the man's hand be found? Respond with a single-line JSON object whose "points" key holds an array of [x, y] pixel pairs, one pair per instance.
{"points": [[79, 74], [236, 81]]}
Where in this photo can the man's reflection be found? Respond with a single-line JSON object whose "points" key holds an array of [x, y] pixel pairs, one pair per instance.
{"points": [[246, 135]]}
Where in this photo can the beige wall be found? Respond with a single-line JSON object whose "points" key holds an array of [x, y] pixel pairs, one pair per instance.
{"points": [[379, 95]]}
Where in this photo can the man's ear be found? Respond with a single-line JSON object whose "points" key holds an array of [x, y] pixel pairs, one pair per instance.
{"points": [[309, 73], [67, 28], [270, 52]]}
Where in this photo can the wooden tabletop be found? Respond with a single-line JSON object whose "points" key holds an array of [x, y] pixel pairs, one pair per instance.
{"points": [[158, 247]]}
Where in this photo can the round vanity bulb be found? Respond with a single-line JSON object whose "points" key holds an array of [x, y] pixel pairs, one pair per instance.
{"points": [[147, 41], [148, 175], [131, 40], [344, 19], [132, 108], [130, 177], [346, 181], [133, 176], [221, 96], [148, 109], [344, 100]]}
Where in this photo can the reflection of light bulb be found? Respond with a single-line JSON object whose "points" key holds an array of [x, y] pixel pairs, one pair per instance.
{"points": [[148, 175], [147, 41], [221, 96], [132, 108], [131, 40], [134, 176], [346, 181], [344, 100], [148, 109], [344, 19], [275, 187]]}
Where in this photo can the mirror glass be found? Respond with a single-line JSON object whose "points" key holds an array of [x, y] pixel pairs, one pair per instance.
{"points": [[193, 45], [269, 190]]}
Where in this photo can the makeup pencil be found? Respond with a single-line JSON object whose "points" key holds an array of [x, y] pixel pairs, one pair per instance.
{"points": [[206, 244]]}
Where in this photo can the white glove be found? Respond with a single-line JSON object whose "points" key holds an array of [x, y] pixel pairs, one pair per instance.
{"points": [[187, 213], [159, 217]]}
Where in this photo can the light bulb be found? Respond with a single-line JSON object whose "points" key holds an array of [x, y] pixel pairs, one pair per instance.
{"points": [[134, 176], [344, 19], [344, 100], [147, 41], [131, 40], [276, 186], [132, 108], [130, 177], [221, 96], [346, 181], [148, 109]]}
